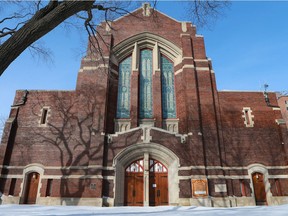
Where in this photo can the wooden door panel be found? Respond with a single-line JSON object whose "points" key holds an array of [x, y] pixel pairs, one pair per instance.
{"points": [[152, 190], [129, 181], [158, 189], [31, 188], [259, 188], [138, 193], [163, 185], [133, 189]]}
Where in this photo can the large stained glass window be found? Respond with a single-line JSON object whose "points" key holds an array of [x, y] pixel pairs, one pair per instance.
{"points": [[168, 95], [146, 97], [123, 105]]}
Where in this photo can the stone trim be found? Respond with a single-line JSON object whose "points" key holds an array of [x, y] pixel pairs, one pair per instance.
{"points": [[48, 114], [228, 168], [92, 67], [187, 58], [171, 125], [147, 40], [248, 117], [183, 67], [10, 176], [199, 36], [83, 201], [280, 121], [146, 132], [112, 168], [89, 59], [122, 125], [184, 26], [276, 108], [228, 177], [72, 177], [59, 167], [201, 60], [202, 68]]}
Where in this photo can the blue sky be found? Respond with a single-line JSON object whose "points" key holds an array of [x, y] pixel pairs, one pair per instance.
{"points": [[248, 47]]}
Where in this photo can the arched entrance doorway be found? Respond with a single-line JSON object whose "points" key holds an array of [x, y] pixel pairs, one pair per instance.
{"points": [[259, 188], [31, 188], [135, 187], [146, 151]]}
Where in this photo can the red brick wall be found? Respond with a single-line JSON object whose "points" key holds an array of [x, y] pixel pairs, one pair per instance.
{"points": [[245, 145]]}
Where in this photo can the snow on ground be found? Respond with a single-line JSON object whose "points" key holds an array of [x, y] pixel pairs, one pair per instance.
{"points": [[37, 210]]}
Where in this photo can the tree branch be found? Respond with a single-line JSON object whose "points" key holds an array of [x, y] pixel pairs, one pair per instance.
{"points": [[40, 24]]}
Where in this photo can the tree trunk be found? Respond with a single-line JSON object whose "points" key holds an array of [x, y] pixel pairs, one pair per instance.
{"points": [[39, 25]]}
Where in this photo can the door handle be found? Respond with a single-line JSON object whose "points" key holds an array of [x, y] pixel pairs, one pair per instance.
{"points": [[158, 193]]}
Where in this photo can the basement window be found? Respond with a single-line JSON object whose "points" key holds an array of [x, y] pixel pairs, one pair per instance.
{"points": [[12, 186], [248, 117], [49, 187]]}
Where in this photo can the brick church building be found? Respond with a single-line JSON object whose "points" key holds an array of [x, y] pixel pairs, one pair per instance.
{"points": [[145, 126]]}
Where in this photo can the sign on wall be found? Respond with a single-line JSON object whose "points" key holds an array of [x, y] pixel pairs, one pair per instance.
{"points": [[199, 187]]}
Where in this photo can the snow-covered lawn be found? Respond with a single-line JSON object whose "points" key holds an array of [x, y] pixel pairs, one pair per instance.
{"points": [[32, 210]]}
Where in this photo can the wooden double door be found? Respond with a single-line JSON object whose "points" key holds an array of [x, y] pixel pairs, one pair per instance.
{"points": [[135, 186]]}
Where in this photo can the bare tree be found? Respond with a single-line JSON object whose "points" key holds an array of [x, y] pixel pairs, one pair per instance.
{"points": [[203, 13], [36, 18]]}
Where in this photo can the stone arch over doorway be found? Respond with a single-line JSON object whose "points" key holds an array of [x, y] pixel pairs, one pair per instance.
{"points": [[32, 175], [146, 151], [260, 169]]}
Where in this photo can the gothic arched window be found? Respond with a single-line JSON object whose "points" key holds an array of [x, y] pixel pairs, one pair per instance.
{"points": [[123, 102], [146, 87], [168, 94]]}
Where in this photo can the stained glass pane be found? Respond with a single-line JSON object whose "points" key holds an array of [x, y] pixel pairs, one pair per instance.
{"points": [[123, 102], [156, 166], [168, 94], [136, 166], [146, 99]]}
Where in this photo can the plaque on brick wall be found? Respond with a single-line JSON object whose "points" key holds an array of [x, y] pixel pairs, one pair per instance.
{"points": [[199, 187], [220, 188]]}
